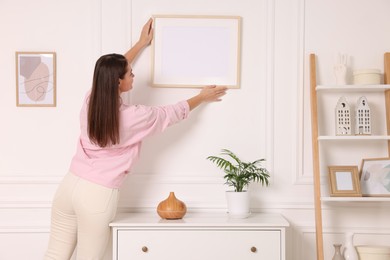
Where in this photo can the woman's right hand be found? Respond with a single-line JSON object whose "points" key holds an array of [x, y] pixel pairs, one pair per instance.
{"points": [[146, 36]]}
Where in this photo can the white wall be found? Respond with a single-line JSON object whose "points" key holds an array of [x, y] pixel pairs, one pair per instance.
{"points": [[267, 118]]}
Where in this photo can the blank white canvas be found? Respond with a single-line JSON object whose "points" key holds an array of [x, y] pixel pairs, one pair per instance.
{"points": [[191, 52], [344, 181]]}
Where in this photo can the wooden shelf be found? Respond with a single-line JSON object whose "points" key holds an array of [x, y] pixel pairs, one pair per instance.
{"points": [[355, 199], [353, 137]]}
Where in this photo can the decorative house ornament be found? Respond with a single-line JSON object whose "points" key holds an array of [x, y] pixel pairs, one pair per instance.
{"points": [[363, 117], [343, 117]]}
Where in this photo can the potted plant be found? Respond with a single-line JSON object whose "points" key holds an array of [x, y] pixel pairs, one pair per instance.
{"points": [[238, 174]]}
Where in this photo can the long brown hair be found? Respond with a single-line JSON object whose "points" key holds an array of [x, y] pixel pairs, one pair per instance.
{"points": [[103, 110]]}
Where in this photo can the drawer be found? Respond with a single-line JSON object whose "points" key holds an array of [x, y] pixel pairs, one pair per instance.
{"points": [[198, 244]]}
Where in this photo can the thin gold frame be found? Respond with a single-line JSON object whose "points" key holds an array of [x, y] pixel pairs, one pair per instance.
{"points": [[334, 187], [41, 91]]}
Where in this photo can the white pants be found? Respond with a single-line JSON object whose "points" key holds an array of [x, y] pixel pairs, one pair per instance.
{"points": [[81, 214]]}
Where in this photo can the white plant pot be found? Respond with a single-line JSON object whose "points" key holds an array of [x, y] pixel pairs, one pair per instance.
{"points": [[238, 204]]}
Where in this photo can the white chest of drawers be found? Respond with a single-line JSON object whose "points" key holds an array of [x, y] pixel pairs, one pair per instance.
{"points": [[199, 236]]}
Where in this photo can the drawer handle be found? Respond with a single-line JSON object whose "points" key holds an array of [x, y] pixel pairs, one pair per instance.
{"points": [[253, 249], [144, 249]]}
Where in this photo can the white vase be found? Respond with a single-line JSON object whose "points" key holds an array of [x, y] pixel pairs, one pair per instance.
{"points": [[349, 250], [337, 252], [238, 204]]}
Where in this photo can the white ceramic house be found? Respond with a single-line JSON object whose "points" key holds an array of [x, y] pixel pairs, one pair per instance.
{"points": [[363, 117], [343, 117]]}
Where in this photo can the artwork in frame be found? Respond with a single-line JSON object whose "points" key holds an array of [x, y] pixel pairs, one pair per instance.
{"points": [[375, 177], [36, 79], [194, 51], [344, 181]]}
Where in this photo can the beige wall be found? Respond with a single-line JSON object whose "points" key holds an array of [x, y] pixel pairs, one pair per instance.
{"points": [[267, 118]]}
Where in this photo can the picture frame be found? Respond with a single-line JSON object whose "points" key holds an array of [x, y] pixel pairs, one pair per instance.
{"points": [[344, 181], [36, 79], [375, 177], [194, 51]]}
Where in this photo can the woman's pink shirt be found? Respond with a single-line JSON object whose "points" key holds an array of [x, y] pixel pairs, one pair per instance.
{"points": [[109, 166]]}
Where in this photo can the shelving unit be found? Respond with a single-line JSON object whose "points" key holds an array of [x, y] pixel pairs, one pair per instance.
{"points": [[317, 140]]}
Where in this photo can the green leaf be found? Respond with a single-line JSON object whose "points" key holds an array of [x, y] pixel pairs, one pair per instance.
{"points": [[239, 173]]}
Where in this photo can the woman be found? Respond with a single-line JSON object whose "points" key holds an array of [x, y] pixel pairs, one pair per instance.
{"points": [[110, 140]]}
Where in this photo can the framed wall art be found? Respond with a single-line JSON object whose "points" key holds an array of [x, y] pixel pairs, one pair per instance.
{"points": [[36, 79], [194, 51], [375, 177], [344, 181]]}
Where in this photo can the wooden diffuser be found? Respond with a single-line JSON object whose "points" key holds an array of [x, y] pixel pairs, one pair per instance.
{"points": [[171, 208]]}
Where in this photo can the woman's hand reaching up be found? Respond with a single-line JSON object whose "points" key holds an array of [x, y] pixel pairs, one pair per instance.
{"points": [[210, 93]]}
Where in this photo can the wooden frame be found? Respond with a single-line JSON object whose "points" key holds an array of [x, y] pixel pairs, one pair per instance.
{"points": [[344, 181], [35, 79], [375, 177], [194, 51]]}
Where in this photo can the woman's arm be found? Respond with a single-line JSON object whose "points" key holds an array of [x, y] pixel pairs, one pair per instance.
{"points": [[144, 40], [207, 94]]}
